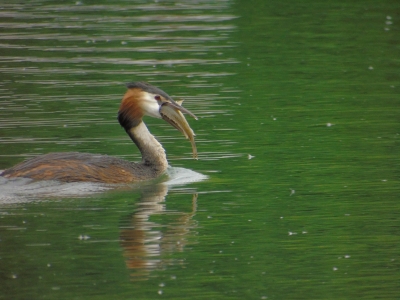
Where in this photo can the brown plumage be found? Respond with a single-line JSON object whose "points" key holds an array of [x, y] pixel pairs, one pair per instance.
{"points": [[141, 99]]}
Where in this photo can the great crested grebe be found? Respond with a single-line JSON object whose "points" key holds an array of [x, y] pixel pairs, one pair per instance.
{"points": [[141, 99]]}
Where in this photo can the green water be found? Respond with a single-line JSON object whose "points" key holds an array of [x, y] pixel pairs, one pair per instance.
{"points": [[298, 133]]}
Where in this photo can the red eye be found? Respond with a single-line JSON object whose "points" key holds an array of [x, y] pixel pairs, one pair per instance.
{"points": [[157, 97]]}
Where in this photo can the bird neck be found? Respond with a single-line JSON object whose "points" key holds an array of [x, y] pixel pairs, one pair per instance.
{"points": [[153, 154]]}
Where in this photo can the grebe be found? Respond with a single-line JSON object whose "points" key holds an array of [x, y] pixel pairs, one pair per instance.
{"points": [[141, 99]]}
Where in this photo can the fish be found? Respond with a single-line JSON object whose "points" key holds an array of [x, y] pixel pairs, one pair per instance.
{"points": [[171, 112]]}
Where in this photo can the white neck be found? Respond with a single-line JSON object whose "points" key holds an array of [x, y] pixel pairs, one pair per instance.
{"points": [[153, 154]]}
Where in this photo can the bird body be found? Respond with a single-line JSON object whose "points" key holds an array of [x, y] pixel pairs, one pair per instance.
{"points": [[141, 99], [75, 166]]}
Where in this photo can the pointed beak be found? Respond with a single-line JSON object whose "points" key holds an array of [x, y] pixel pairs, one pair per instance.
{"points": [[172, 112], [178, 105]]}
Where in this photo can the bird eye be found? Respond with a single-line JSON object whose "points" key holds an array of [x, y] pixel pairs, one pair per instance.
{"points": [[158, 97]]}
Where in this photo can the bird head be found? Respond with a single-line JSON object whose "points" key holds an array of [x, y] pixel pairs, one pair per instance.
{"points": [[143, 99]]}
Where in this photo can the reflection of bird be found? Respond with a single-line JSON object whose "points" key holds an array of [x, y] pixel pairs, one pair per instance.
{"points": [[145, 245], [141, 99]]}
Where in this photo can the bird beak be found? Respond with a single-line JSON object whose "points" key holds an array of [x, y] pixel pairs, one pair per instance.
{"points": [[171, 112]]}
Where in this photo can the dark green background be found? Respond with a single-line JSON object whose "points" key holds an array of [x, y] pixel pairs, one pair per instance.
{"points": [[310, 89]]}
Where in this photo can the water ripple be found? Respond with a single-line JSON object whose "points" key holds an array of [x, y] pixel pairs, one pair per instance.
{"points": [[63, 68]]}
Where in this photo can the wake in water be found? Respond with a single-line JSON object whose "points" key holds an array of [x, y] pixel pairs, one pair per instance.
{"points": [[20, 190]]}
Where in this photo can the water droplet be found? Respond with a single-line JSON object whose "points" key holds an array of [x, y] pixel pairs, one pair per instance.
{"points": [[84, 237]]}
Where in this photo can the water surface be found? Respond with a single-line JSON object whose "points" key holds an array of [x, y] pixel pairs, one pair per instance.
{"points": [[298, 137]]}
